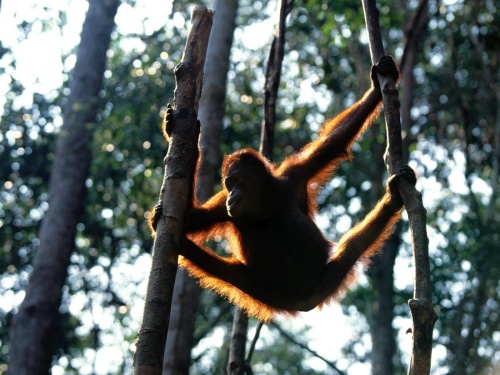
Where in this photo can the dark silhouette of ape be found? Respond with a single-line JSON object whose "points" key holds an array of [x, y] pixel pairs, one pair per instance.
{"points": [[280, 261]]}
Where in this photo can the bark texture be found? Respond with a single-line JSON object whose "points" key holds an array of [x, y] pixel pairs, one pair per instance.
{"points": [[236, 362], [423, 314], [211, 113], [32, 331], [179, 169]]}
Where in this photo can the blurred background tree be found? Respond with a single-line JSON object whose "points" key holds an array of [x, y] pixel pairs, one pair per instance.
{"points": [[453, 134]]}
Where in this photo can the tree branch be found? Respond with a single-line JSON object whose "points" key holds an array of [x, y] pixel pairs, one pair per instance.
{"points": [[423, 315], [179, 169], [273, 77]]}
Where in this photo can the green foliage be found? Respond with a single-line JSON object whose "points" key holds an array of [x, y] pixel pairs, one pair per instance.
{"points": [[453, 146]]}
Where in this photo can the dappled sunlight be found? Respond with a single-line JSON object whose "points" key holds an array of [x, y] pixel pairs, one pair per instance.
{"points": [[452, 142]]}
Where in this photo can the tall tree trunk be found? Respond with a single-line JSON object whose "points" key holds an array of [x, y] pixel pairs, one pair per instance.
{"points": [[32, 330], [211, 113], [236, 363], [382, 333], [423, 314], [180, 164], [185, 300]]}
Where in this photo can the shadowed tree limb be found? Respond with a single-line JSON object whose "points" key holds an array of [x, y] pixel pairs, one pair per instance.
{"points": [[185, 300], [423, 314], [180, 163]]}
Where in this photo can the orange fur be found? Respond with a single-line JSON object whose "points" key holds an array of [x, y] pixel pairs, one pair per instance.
{"points": [[281, 262]]}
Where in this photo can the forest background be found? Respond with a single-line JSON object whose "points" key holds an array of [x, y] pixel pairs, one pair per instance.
{"points": [[451, 123]]}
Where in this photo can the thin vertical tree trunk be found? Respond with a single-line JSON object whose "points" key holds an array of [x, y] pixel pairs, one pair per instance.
{"points": [[237, 363], [413, 34], [382, 270], [179, 169], [423, 314], [31, 334], [382, 333], [211, 113], [273, 78]]}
